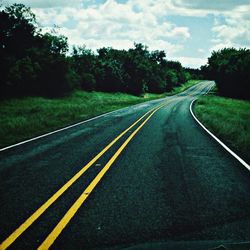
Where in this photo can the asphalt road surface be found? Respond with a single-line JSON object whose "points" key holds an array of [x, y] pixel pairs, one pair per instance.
{"points": [[163, 183]]}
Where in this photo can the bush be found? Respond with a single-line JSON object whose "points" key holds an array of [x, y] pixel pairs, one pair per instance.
{"points": [[88, 81], [229, 67], [33, 63]]}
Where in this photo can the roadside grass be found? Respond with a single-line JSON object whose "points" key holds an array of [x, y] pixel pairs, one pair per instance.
{"points": [[28, 117], [32, 116], [228, 119], [183, 87]]}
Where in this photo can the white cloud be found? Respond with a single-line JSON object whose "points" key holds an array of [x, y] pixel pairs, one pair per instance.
{"points": [[218, 5], [220, 46], [120, 25], [191, 62], [114, 25], [181, 31], [235, 30], [49, 17], [45, 3]]}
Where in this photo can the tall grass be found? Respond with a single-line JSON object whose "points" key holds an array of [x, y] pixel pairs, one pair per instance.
{"points": [[229, 119], [21, 119], [24, 118]]}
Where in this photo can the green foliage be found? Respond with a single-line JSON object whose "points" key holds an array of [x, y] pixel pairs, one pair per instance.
{"points": [[196, 74], [27, 117], [171, 78], [134, 71], [33, 63], [213, 111], [23, 75], [31, 116], [229, 67], [55, 44], [88, 81], [17, 30], [182, 87]]}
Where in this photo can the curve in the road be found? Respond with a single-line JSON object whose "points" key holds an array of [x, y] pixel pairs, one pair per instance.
{"points": [[24, 226], [74, 208], [79, 201], [217, 139]]}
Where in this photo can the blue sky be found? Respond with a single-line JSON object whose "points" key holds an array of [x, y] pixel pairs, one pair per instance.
{"points": [[188, 30]]}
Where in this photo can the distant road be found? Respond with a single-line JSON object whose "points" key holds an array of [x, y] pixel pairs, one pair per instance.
{"points": [[143, 177]]}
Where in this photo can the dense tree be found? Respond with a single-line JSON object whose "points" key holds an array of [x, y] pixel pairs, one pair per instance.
{"points": [[86, 65], [229, 67], [33, 63], [55, 44], [194, 73], [17, 30]]}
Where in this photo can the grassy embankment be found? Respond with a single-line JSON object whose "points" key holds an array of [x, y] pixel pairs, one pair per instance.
{"points": [[229, 119], [21, 119], [183, 87]]}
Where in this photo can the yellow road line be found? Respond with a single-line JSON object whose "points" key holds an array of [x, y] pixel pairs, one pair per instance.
{"points": [[74, 208], [197, 88], [23, 227]]}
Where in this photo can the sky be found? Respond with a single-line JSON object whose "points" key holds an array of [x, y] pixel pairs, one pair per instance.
{"points": [[187, 30]]}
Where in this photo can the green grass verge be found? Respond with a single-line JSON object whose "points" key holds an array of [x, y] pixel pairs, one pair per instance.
{"points": [[32, 116], [25, 118], [183, 87], [229, 119]]}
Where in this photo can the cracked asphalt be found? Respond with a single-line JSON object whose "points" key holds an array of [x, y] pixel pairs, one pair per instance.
{"points": [[172, 186]]}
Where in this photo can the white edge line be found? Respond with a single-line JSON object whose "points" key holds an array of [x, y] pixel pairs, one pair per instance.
{"points": [[218, 140], [74, 125], [56, 131], [71, 126]]}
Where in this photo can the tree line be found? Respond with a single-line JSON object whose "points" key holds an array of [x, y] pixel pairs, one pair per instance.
{"points": [[230, 68], [34, 63]]}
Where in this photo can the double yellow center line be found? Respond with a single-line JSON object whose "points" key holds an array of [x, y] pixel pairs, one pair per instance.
{"points": [[73, 209]]}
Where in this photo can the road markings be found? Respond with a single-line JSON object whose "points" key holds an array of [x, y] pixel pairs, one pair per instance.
{"points": [[217, 139], [56, 131], [25, 225], [78, 203], [198, 90]]}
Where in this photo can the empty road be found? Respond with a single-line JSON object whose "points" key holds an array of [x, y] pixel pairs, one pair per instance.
{"points": [[143, 177]]}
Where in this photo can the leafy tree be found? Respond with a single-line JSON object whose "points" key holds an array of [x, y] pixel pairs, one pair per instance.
{"points": [[176, 75], [55, 44], [158, 56], [194, 73], [87, 67], [171, 79], [17, 29], [229, 67], [33, 63]]}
